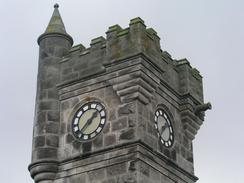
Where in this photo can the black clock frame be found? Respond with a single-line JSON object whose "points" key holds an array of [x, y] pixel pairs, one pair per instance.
{"points": [[78, 134], [169, 121]]}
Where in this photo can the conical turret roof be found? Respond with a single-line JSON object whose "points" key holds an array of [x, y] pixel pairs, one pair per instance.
{"points": [[56, 24], [55, 27]]}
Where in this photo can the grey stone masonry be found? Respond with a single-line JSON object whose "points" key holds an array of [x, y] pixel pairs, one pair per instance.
{"points": [[132, 77]]}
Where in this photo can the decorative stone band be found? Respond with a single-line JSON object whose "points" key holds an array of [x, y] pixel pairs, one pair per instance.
{"points": [[191, 123], [43, 170], [133, 86], [55, 34]]}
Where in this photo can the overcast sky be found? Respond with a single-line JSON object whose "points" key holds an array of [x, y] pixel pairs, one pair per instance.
{"points": [[209, 33]]}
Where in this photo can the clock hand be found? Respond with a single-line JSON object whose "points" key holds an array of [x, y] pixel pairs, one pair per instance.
{"points": [[163, 128], [89, 121]]}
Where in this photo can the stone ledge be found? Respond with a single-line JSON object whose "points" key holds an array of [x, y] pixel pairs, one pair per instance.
{"points": [[127, 152], [43, 170]]}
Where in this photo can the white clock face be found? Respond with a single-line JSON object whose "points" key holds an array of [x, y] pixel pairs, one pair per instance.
{"points": [[89, 121], [164, 128]]}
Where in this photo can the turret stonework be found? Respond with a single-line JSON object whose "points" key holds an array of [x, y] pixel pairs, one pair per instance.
{"points": [[99, 109]]}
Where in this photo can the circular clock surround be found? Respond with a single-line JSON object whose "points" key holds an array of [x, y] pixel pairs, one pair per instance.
{"points": [[89, 121], [164, 127]]}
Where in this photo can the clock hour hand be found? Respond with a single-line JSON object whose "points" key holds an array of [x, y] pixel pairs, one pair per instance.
{"points": [[163, 128], [89, 121]]}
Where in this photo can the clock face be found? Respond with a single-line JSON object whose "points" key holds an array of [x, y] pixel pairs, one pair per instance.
{"points": [[89, 121], [164, 128]]}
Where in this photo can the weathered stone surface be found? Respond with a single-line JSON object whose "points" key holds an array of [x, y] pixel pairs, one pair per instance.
{"points": [[96, 175], [52, 140], [144, 169], [126, 109], [132, 77], [41, 117], [53, 116], [98, 142], [39, 141], [77, 145], [46, 153], [116, 170], [112, 114], [119, 124], [87, 147], [50, 127], [127, 134], [77, 179], [69, 138], [110, 140]]}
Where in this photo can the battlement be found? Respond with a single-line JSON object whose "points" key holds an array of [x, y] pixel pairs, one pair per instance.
{"points": [[122, 43], [135, 38]]}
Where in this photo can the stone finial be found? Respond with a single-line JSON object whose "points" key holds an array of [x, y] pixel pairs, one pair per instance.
{"points": [[56, 5]]}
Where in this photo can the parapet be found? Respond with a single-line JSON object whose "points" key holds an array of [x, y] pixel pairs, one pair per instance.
{"points": [[124, 43]]}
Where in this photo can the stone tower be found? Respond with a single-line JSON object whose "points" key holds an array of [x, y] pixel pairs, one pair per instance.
{"points": [[120, 111]]}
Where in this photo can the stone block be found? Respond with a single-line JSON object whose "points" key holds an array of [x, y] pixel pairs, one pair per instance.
{"points": [[132, 121], [53, 116], [96, 175], [41, 117], [126, 109], [77, 145], [116, 170], [107, 128], [110, 180], [119, 124], [79, 178], [144, 168], [110, 139], [127, 134], [39, 141], [52, 140], [46, 153], [62, 128], [69, 138], [87, 147], [48, 105], [50, 127], [112, 114], [52, 94], [98, 142]]}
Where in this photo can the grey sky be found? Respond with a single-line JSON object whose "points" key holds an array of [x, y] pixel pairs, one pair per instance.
{"points": [[209, 33]]}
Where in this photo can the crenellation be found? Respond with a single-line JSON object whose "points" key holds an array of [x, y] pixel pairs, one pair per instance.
{"points": [[114, 28], [168, 58], [85, 52], [137, 20], [123, 32], [97, 41], [77, 48]]}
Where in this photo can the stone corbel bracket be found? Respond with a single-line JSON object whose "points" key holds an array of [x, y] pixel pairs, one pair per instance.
{"points": [[134, 86], [191, 123], [192, 120]]}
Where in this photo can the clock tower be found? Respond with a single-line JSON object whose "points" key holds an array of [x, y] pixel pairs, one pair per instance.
{"points": [[121, 111]]}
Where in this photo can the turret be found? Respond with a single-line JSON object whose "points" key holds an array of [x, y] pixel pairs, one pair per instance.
{"points": [[53, 45]]}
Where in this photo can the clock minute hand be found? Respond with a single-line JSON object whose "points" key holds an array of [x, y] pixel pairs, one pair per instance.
{"points": [[94, 115]]}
